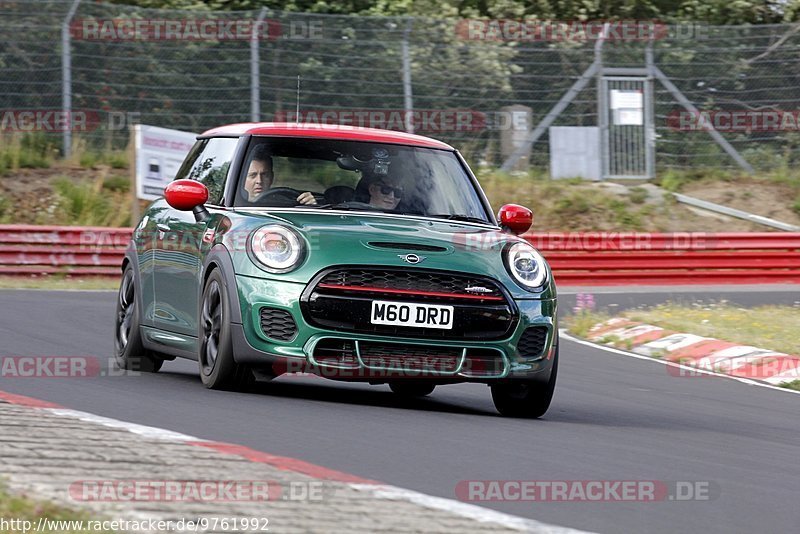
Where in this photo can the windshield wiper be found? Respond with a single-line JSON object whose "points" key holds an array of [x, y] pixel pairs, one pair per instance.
{"points": [[456, 217]]}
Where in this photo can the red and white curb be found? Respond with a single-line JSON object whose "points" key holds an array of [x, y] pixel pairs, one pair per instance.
{"points": [[375, 490], [697, 352]]}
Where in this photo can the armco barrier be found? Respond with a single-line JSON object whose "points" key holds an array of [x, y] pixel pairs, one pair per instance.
{"points": [[609, 258], [72, 250], [586, 258]]}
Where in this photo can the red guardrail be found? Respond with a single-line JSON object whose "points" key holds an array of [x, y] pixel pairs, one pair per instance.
{"points": [[72, 250], [621, 258], [581, 258]]}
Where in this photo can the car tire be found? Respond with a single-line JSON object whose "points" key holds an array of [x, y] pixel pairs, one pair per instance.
{"points": [[129, 352], [218, 369], [527, 399], [412, 389]]}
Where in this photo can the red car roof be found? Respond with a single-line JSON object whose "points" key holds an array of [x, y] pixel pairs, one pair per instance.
{"points": [[327, 131]]}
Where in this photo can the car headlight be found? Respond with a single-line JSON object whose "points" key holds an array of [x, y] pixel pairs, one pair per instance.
{"points": [[278, 248], [526, 265]]}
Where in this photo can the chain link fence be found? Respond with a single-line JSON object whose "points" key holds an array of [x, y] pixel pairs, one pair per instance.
{"points": [[192, 70]]}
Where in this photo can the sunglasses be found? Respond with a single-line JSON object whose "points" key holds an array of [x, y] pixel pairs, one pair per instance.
{"points": [[387, 189]]}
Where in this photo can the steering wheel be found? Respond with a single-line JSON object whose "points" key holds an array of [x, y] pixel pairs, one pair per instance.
{"points": [[278, 197]]}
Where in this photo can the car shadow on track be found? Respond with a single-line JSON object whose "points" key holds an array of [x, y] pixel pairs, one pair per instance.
{"points": [[321, 390]]}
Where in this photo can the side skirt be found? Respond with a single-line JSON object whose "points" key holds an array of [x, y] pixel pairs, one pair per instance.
{"points": [[179, 345]]}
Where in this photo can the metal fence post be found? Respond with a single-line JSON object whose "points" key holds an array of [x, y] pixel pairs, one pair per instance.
{"points": [[66, 77], [255, 68], [686, 103], [408, 103], [649, 119], [593, 70], [602, 104]]}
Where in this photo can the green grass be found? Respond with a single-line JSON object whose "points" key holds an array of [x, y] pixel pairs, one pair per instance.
{"points": [[674, 180], [27, 151], [5, 210], [794, 384], [571, 205], [120, 184], [23, 508], [92, 159], [579, 323], [767, 327], [638, 195], [91, 203], [558, 205]]}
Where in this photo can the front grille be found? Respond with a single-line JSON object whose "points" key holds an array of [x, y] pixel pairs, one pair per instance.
{"points": [[384, 359], [532, 342], [423, 284], [277, 324], [341, 300], [336, 353], [410, 357]]}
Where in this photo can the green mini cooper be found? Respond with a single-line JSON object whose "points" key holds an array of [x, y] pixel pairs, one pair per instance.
{"points": [[350, 253]]}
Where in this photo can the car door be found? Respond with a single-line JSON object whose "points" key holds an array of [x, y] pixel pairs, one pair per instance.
{"points": [[179, 238]]}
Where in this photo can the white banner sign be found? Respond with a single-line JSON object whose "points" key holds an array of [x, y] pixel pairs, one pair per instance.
{"points": [[626, 99], [159, 154]]}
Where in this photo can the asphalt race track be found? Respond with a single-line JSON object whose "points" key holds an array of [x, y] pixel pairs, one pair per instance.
{"points": [[613, 418]]}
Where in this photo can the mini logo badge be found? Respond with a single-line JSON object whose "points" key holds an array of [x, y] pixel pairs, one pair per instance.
{"points": [[411, 258], [477, 289]]}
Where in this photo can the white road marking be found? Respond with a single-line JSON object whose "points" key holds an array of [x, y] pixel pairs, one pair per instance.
{"points": [[142, 430], [470, 511], [378, 491], [694, 370]]}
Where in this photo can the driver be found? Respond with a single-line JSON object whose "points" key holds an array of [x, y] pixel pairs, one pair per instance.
{"points": [[260, 177], [384, 192]]}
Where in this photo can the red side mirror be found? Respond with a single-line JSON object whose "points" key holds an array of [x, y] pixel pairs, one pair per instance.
{"points": [[186, 195], [516, 218]]}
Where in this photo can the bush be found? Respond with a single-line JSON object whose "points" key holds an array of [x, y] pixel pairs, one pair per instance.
{"points": [[117, 160], [31, 151], [37, 151], [672, 181], [89, 204], [120, 184], [114, 159], [638, 195], [5, 210], [88, 160]]}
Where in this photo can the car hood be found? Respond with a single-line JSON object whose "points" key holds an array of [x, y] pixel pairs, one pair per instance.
{"points": [[347, 238]]}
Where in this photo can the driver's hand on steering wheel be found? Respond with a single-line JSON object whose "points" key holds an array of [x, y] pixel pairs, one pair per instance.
{"points": [[307, 198]]}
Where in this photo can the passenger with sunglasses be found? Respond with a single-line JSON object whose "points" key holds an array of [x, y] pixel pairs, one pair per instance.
{"points": [[385, 193]]}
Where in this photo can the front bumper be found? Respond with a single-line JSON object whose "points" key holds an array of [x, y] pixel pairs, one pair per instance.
{"points": [[437, 359]]}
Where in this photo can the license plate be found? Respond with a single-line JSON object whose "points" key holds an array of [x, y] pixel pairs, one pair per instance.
{"points": [[414, 315]]}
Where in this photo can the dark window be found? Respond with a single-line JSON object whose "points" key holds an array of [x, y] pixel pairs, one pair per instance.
{"points": [[208, 162], [357, 176]]}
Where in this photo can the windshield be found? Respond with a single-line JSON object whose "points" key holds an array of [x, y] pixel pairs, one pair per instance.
{"points": [[357, 176]]}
